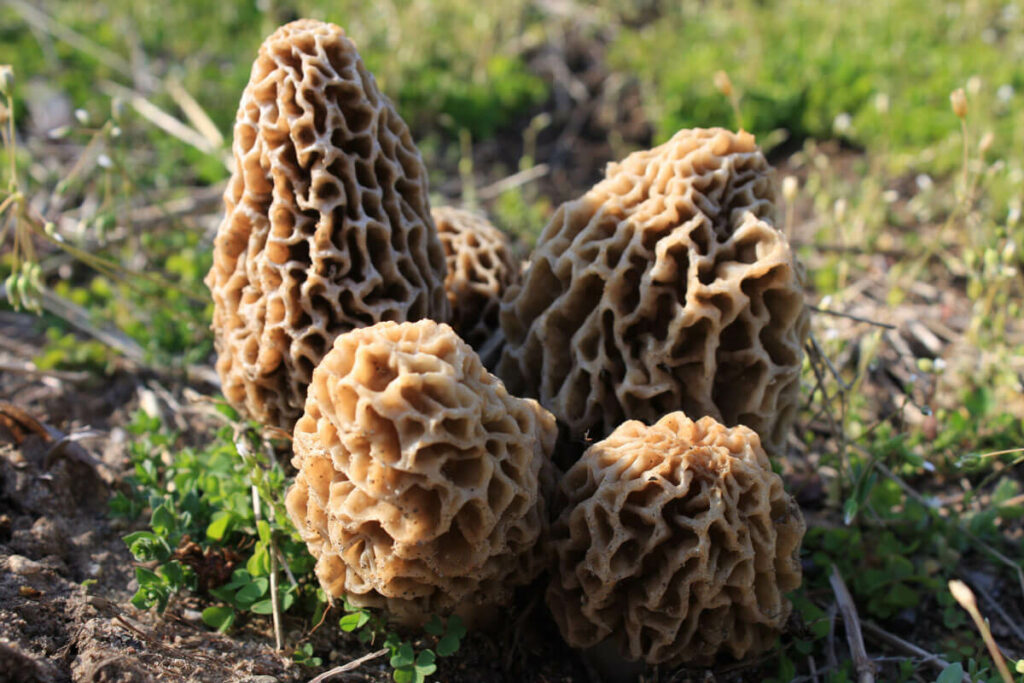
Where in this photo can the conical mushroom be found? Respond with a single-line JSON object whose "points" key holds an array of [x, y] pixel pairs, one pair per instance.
{"points": [[327, 227], [665, 287]]}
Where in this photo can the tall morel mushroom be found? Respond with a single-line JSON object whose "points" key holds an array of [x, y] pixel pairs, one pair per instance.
{"points": [[480, 269], [328, 225], [419, 475], [666, 287], [676, 544]]}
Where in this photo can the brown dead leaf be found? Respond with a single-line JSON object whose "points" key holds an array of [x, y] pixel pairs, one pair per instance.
{"points": [[16, 425]]}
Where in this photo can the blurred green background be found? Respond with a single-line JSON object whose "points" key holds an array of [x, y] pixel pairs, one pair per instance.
{"points": [[551, 90]]}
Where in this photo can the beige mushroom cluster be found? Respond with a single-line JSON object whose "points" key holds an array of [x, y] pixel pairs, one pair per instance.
{"points": [[480, 269], [666, 287], [676, 544], [419, 475], [424, 485], [328, 225]]}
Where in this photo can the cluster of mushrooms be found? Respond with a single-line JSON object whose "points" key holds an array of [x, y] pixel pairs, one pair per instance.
{"points": [[352, 314]]}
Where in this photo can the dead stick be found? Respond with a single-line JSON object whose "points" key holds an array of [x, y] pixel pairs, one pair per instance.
{"points": [[513, 181], [909, 648], [354, 664], [850, 316], [274, 607], [994, 604], [865, 667]]}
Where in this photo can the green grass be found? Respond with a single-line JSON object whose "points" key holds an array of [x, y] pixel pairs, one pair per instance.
{"points": [[801, 66]]}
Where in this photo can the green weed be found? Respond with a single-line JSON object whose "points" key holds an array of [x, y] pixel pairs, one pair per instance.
{"points": [[217, 530]]}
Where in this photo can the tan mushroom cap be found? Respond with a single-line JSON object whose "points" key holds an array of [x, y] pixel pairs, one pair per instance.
{"points": [[677, 544], [480, 268], [666, 287], [419, 475], [327, 226]]}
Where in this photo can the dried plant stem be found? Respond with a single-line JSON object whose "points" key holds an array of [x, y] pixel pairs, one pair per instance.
{"points": [[284, 565], [29, 369], [993, 603], [466, 169], [197, 116], [963, 129], [354, 664], [850, 316], [513, 181], [275, 608], [734, 101], [830, 650], [865, 667], [965, 597], [908, 648]]}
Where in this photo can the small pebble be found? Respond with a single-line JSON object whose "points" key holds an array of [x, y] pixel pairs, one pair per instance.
{"points": [[29, 592], [23, 566]]}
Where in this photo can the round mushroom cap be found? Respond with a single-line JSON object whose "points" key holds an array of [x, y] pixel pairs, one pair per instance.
{"points": [[480, 268], [677, 544], [419, 475], [327, 225], [665, 287]]}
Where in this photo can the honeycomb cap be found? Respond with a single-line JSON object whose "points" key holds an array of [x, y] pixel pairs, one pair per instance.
{"points": [[327, 225], [666, 287], [419, 476], [480, 270], [676, 544]]}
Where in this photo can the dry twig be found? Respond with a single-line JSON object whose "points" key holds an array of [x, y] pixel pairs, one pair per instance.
{"points": [[908, 648], [513, 181], [354, 664], [29, 369], [963, 595], [865, 667], [850, 316]]}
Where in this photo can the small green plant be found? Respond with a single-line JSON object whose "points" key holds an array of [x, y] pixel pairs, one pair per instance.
{"points": [[304, 655], [216, 525], [410, 665]]}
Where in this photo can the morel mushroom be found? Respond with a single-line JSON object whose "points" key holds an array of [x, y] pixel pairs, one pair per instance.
{"points": [[677, 544], [666, 287], [328, 226], [480, 269], [419, 475]]}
